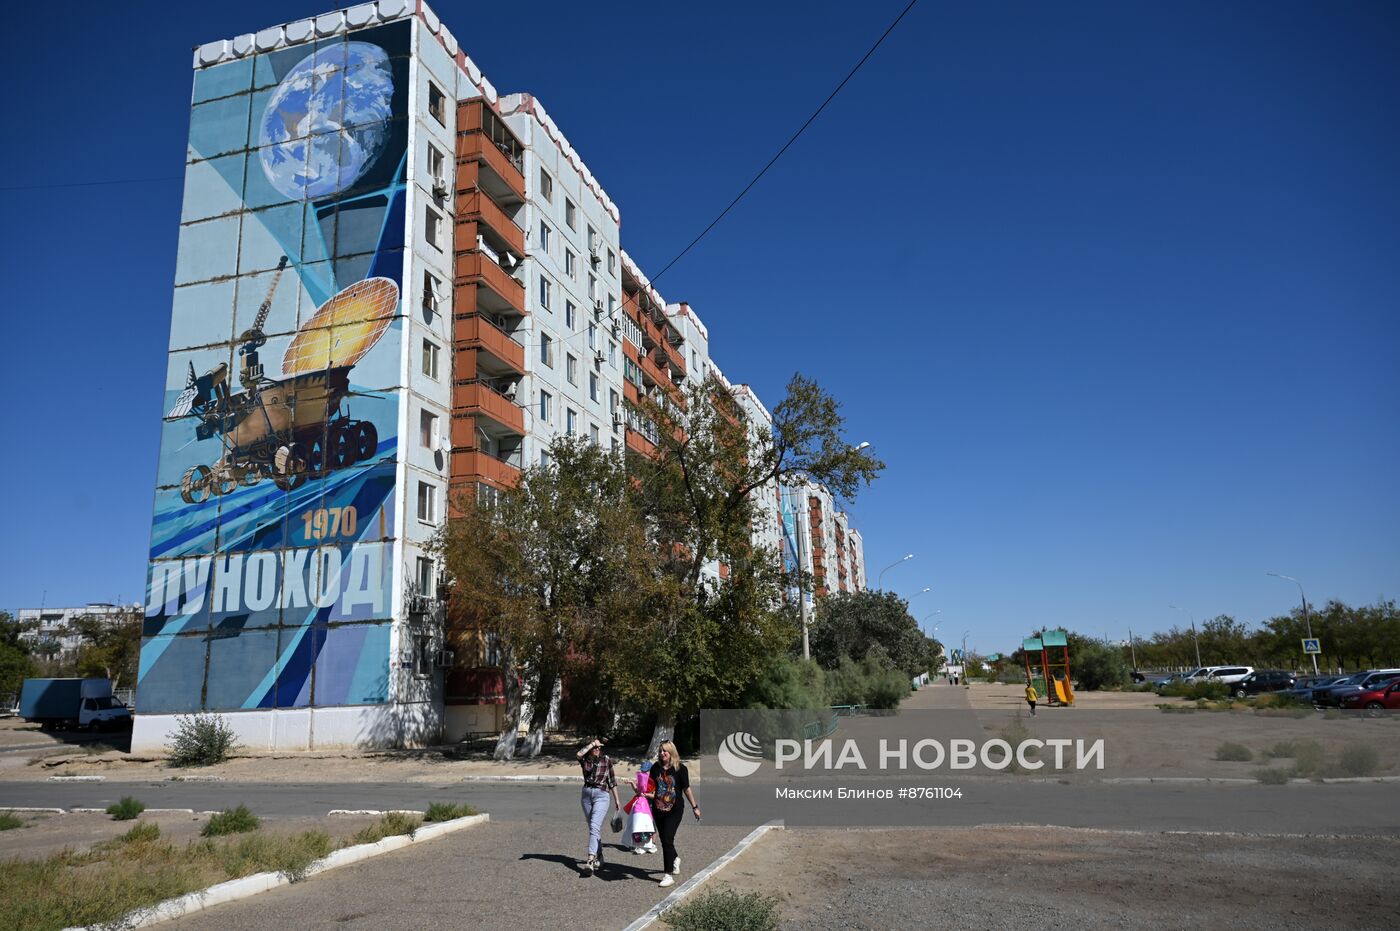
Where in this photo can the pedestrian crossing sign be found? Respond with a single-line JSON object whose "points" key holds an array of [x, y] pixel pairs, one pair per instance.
{"points": [[1312, 645]]}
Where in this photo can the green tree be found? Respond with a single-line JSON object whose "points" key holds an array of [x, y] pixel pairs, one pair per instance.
{"points": [[543, 566], [111, 645], [857, 624], [15, 664], [702, 642]]}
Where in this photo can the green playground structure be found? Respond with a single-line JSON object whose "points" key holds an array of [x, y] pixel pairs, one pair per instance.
{"points": [[1051, 677]]}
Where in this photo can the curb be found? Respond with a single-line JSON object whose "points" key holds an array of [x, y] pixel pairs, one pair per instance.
{"points": [[144, 811], [690, 885], [77, 779], [46, 811], [248, 886], [337, 812], [578, 779], [1177, 780]]}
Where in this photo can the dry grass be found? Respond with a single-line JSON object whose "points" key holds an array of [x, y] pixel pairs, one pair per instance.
{"points": [[136, 871]]}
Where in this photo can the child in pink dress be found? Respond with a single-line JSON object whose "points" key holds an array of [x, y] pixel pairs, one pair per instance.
{"points": [[642, 826]]}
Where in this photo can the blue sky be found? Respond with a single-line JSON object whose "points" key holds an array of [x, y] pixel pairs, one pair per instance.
{"points": [[1111, 287]]}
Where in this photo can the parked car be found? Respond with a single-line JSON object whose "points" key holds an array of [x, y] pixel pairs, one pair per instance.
{"points": [[1200, 673], [1329, 696], [1230, 675], [1361, 682], [1302, 689], [1264, 680], [1376, 699], [1162, 682]]}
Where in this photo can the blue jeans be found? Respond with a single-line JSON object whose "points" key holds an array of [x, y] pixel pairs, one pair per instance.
{"points": [[595, 809]]}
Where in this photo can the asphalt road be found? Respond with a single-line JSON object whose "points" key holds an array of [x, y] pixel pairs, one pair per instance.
{"points": [[1305, 809]]}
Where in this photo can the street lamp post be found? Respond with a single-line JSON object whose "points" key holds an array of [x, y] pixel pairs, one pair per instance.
{"points": [[880, 579], [1306, 619], [1193, 631], [922, 591]]}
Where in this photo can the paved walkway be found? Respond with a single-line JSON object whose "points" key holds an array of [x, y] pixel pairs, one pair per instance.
{"points": [[508, 876]]}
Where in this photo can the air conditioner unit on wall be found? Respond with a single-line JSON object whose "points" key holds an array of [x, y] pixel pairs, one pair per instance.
{"points": [[441, 188]]}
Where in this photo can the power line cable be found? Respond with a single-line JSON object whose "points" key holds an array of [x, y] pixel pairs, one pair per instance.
{"points": [[803, 128]]}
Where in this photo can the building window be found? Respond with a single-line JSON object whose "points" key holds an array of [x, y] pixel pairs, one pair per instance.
{"points": [[592, 335], [547, 349], [432, 293], [437, 103], [545, 287], [427, 429], [594, 435], [570, 420], [571, 264], [544, 237], [592, 288], [427, 503], [612, 263], [593, 386], [544, 458], [545, 399], [612, 305], [569, 311], [424, 576], [570, 214], [612, 400], [432, 228], [592, 240], [616, 445], [571, 369], [422, 655], [612, 353], [436, 165], [546, 186], [430, 359]]}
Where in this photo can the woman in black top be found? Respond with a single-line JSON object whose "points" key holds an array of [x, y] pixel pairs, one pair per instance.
{"points": [[670, 790]]}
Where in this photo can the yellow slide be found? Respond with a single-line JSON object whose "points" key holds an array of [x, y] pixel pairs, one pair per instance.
{"points": [[1063, 692]]}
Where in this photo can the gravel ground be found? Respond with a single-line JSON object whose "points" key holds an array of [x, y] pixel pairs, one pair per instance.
{"points": [[1028, 877]]}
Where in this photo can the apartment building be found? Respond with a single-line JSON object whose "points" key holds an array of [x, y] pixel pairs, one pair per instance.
{"points": [[51, 631], [394, 286], [818, 539]]}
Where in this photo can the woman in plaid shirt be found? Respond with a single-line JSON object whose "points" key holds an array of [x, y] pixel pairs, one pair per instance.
{"points": [[599, 783]]}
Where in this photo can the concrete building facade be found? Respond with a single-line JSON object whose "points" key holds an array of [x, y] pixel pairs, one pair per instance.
{"points": [[394, 286]]}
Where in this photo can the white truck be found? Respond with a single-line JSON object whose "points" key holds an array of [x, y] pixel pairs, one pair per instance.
{"points": [[72, 702]]}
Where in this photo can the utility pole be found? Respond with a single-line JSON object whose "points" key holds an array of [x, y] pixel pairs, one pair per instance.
{"points": [[1194, 639], [1132, 648]]}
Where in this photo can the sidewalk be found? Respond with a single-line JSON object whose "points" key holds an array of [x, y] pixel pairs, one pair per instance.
{"points": [[506, 876]]}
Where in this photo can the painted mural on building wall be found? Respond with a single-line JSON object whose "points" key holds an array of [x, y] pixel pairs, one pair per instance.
{"points": [[271, 554]]}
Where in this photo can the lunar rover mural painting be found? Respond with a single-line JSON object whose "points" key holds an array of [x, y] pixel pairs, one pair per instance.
{"points": [[270, 580]]}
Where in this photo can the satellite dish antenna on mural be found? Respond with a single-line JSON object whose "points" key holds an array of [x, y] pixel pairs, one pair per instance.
{"points": [[298, 427]]}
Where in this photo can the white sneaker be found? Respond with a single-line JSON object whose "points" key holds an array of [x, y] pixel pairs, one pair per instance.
{"points": [[637, 850], [676, 867], [667, 880], [650, 847]]}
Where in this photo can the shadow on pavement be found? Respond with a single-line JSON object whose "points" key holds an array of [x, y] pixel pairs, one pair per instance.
{"points": [[610, 871]]}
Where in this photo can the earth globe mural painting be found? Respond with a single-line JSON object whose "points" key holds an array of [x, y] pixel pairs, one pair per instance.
{"points": [[326, 122]]}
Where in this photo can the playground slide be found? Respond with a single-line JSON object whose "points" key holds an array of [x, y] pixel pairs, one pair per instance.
{"points": [[1063, 691]]}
